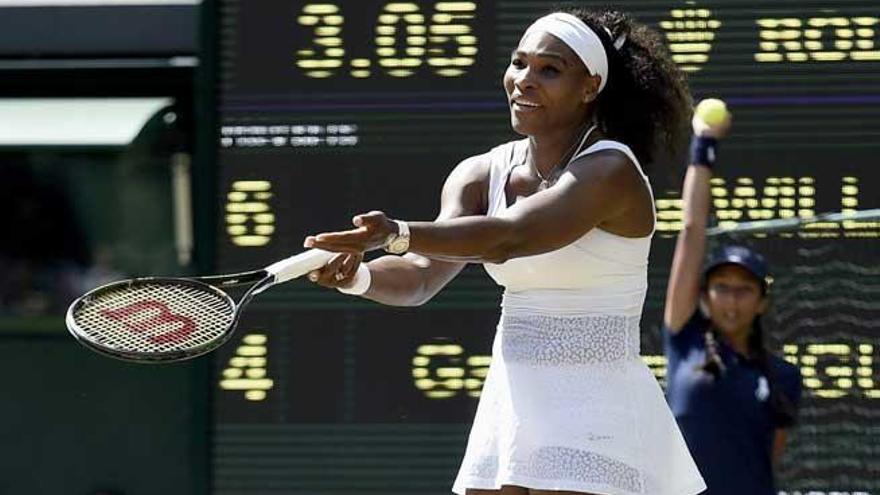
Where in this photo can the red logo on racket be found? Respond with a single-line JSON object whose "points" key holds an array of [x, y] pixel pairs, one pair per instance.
{"points": [[163, 317]]}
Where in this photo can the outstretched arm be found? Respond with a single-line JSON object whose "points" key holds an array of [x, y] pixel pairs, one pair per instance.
{"points": [[591, 191], [411, 279]]}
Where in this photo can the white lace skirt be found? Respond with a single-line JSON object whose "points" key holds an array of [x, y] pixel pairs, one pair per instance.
{"points": [[569, 405]]}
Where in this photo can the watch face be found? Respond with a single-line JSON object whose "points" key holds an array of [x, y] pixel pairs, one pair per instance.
{"points": [[399, 245]]}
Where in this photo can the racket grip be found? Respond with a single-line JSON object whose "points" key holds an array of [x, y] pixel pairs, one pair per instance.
{"points": [[299, 264]]}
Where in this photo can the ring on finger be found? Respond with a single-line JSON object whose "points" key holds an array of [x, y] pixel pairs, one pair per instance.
{"points": [[339, 276]]}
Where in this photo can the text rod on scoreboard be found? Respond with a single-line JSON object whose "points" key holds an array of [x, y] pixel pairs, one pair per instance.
{"points": [[464, 46]]}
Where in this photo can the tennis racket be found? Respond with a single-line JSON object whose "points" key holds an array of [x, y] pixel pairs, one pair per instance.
{"points": [[173, 319]]}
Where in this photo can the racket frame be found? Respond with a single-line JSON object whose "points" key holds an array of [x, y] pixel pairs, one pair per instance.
{"points": [[259, 279]]}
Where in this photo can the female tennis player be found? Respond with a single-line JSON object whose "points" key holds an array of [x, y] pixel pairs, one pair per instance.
{"points": [[733, 400], [563, 220]]}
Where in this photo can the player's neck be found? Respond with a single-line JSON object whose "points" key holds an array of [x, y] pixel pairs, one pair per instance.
{"points": [[548, 151]]}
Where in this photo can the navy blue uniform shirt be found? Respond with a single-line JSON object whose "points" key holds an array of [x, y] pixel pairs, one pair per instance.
{"points": [[726, 422]]}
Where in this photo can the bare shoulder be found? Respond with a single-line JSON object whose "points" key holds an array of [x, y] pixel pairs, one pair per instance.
{"points": [[610, 166], [466, 189], [612, 177], [471, 169]]}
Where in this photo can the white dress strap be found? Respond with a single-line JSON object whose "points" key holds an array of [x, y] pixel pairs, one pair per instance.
{"points": [[606, 144], [502, 159]]}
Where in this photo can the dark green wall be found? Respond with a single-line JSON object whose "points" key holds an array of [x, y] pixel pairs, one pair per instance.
{"points": [[72, 421]]}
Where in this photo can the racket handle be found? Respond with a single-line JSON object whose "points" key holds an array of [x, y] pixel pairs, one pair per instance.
{"points": [[300, 264]]}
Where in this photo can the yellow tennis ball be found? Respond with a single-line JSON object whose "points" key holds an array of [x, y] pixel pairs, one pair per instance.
{"points": [[712, 111]]}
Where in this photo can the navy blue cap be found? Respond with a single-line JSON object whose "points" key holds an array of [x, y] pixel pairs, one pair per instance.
{"points": [[742, 256]]}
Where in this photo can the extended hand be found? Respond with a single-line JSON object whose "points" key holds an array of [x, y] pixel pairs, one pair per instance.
{"points": [[372, 232]]}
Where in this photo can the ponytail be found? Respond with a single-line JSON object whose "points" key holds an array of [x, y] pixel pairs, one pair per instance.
{"points": [[781, 407], [713, 364]]}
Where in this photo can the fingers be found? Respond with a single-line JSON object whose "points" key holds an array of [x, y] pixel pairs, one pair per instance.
{"points": [[347, 241], [351, 241], [700, 127], [349, 268], [330, 275], [355, 235], [719, 130], [321, 275], [368, 219], [371, 233], [339, 272], [335, 244], [311, 242]]}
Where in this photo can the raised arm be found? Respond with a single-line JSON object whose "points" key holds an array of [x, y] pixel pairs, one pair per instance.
{"points": [[683, 291], [592, 190], [411, 279]]}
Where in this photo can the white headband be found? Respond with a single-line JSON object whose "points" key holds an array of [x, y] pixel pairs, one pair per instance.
{"points": [[579, 37]]}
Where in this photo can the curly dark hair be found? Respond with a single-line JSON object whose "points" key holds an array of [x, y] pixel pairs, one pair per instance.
{"points": [[646, 103]]}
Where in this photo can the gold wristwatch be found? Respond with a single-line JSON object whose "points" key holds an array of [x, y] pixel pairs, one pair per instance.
{"points": [[398, 243]]}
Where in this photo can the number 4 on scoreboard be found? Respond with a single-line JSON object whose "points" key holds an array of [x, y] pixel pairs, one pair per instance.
{"points": [[246, 370]]}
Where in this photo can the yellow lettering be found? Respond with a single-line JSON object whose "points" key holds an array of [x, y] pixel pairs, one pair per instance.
{"points": [[690, 33], [246, 370], [320, 60], [249, 218], [819, 39]]}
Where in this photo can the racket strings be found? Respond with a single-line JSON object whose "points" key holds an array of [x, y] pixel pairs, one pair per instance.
{"points": [[154, 317]]}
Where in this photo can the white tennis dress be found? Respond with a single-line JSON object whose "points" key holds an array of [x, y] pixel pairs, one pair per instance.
{"points": [[568, 404]]}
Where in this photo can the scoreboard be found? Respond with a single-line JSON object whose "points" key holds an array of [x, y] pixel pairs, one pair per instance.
{"points": [[330, 108]]}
